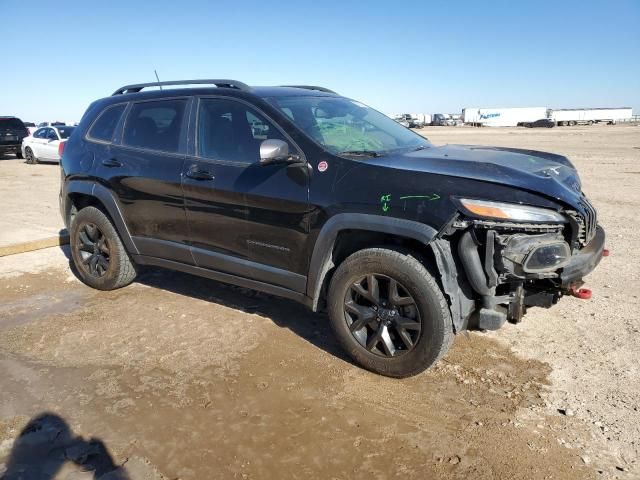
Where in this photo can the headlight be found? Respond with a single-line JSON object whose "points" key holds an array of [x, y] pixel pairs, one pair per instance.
{"points": [[511, 211], [547, 258]]}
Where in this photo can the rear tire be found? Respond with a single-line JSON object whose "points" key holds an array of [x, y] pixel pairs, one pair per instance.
{"points": [[98, 253], [400, 334], [18, 154], [31, 158]]}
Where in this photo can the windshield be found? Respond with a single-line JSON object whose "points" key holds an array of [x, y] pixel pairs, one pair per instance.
{"points": [[65, 132], [346, 126]]}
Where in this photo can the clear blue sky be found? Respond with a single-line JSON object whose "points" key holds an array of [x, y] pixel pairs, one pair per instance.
{"points": [[394, 55]]}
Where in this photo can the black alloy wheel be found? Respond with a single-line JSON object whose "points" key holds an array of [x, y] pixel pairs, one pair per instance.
{"points": [[94, 251], [382, 316]]}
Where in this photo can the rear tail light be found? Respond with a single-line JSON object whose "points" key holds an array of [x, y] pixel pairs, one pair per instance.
{"points": [[61, 148]]}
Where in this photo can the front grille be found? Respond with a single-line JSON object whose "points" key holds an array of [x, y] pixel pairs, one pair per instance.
{"points": [[589, 222]]}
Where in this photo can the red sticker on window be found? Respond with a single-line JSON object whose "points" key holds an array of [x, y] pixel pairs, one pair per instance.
{"points": [[322, 166]]}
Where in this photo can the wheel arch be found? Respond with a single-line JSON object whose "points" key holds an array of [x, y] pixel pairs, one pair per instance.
{"points": [[84, 193], [345, 233]]}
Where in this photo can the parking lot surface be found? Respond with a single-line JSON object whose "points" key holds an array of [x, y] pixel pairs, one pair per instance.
{"points": [[181, 377], [29, 196]]}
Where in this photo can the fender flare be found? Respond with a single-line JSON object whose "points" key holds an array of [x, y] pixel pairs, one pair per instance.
{"points": [[108, 200], [321, 258]]}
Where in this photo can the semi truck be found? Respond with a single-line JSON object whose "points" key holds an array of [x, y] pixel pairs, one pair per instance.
{"points": [[502, 117], [589, 116], [411, 120], [442, 120]]}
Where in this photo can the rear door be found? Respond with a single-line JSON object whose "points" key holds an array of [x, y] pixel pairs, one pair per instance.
{"points": [[143, 168], [49, 148], [244, 218]]}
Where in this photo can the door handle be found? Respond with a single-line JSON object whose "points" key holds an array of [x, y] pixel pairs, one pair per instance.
{"points": [[111, 162], [198, 174]]}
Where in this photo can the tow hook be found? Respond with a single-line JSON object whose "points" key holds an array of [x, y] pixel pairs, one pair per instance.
{"points": [[581, 293], [605, 252]]}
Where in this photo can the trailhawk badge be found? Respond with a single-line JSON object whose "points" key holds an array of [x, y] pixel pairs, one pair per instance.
{"points": [[322, 166]]}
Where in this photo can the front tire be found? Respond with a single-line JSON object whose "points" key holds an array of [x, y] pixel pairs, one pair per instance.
{"points": [[98, 253], [388, 312]]}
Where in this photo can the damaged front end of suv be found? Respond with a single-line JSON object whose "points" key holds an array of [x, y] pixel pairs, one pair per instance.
{"points": [[518, 256]]}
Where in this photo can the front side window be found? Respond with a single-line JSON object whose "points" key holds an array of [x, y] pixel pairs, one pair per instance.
{"points": [[233, 131], [342, 125], [155, 125], [105, 126], [40, 133]]}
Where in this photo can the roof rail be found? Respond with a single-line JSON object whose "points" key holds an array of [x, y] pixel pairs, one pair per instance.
{"points": [[311, 87], [220, 83]]}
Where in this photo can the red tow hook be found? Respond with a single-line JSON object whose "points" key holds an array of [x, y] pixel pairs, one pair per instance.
{"points": [[581, 293], [605, 252]]}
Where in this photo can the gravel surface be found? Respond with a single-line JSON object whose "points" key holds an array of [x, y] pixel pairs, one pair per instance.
{"points": [[592, 346], [29, 196]]}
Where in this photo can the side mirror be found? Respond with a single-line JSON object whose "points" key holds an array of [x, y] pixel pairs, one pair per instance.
{"points": [[276, 151]]}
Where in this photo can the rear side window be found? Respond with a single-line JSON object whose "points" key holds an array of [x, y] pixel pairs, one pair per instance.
{"points": [[105, 125], [65, 132], [155, 125]]}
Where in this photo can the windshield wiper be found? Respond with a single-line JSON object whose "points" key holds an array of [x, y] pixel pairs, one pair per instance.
{"points": [[421, 147], [362, 153]]}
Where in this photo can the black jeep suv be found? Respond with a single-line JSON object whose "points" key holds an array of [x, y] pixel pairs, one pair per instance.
{"points": [[301, 193], [12, 131]]}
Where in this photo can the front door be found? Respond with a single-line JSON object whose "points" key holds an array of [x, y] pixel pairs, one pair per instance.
{"points": [[244, 218]]}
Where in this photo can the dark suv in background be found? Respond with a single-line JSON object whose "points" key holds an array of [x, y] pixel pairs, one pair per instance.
{"points": [[12, 131], [301, 193]]}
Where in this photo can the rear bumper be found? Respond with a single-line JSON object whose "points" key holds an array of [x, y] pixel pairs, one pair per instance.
{"points": [[10, 147], [584, 261]]}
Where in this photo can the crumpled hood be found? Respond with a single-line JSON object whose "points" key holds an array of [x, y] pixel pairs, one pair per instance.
{"points": [[539, 172]]}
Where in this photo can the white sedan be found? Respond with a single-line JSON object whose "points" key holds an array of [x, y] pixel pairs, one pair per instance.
{"points": [[43, 144]]}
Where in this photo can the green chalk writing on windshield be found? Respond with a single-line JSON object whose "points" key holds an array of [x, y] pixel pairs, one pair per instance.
{"points": [[431, 197]]}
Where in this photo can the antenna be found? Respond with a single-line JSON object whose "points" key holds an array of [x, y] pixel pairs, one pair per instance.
{"points": [[157, 78]]}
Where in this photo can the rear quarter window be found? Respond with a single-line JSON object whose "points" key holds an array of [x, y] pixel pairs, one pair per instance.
{"points": [[105, 125]]}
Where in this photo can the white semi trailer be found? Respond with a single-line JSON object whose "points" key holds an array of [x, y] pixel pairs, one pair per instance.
{"points": [[502, 117], [422, 118], [589, 116]]}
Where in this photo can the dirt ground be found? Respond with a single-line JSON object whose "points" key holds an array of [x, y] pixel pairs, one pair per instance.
{"points": [[29, 196], [181, 377]]}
